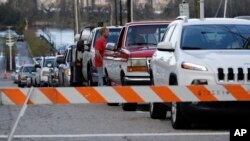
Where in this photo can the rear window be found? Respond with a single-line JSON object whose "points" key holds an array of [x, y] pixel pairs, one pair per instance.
{"points": [[113, 35], [145, 34], [29, 69], [48, 61]]}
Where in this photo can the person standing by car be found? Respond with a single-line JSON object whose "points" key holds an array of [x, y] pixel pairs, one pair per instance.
{"points": [[99, 53]]}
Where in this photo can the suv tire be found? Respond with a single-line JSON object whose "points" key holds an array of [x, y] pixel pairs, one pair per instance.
{"points": [[157, 111]]}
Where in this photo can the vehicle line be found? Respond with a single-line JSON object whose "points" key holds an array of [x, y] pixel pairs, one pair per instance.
{"points": [[120, 135]]}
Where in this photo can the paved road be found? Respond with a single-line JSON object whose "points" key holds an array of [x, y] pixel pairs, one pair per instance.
{"points": [[99, 123]]}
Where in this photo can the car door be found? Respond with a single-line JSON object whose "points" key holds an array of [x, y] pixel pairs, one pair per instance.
{"points": [[114, 63], [86, 55], [160, 65]]}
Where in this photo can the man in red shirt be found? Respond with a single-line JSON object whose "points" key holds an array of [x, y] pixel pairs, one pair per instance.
{"points": [[100, 46]]}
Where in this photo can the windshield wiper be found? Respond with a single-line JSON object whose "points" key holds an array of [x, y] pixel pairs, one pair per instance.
{"points": [[191, 48]]}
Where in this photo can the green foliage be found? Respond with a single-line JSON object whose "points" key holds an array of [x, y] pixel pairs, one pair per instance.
{"points": [[21, 25], [37, 46]]}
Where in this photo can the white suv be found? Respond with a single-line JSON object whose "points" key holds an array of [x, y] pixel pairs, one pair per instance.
{"points": [[211, 51], [42, 72]]}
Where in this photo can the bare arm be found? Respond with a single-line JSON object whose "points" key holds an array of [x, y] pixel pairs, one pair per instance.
{"points": [[98, 55]]}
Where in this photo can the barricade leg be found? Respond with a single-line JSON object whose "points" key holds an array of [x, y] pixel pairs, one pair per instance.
{"points": [[20, 115]]}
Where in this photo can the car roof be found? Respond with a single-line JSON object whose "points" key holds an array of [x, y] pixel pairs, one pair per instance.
{"points": [[147, 23], [59, 56], [224, 21], [49, 57], [28, 65], [109, 27]]}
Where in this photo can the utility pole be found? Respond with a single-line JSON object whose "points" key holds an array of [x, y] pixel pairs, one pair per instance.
{"points": [[116, 17], [202, 7], [225, 9], [129, 18], [76, 17], [10, 43], [121, 12]]}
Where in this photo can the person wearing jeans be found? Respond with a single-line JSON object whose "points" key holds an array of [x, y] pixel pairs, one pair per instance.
{"points": [[99, 53]]}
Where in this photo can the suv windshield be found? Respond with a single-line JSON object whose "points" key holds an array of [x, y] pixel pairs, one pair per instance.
{"points": [[29, 69], [113, 35], [48, 61], [145, 34], [216, 37]]}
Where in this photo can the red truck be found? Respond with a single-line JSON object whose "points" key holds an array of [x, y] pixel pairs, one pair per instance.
{"points": [[127, 61]]}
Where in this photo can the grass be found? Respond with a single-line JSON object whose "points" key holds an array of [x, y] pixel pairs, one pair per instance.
{"points": [[37, 46]]}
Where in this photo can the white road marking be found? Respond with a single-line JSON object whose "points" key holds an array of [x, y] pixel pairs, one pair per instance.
{"points": [[120, 135]]}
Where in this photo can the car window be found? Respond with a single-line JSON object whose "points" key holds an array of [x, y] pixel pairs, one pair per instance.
{"points": [[169, 33], [48, 61], [174, 37], [216, 37], [91, 36], [69, 56], [113, 35], [28, 69], [145, 34]]}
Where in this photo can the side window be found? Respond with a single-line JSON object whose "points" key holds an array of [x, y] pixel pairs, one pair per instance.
{"points": [[66, 54], [173, 38], [120, 39], [91, 37], [69, 55], [169, 33]]}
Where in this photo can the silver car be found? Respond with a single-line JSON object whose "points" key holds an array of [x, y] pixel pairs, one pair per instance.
{"points": [[25, 75]]}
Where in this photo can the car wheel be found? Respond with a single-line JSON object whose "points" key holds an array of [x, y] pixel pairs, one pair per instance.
{"points": [[113, 104], [19, 84], [128, 106], [157, 111], [178, 120], [90, 78]]}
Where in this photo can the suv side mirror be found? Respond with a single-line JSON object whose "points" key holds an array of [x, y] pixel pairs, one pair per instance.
{"points": [[110, 46], [165, 46], [80, 45], [77, 37]]}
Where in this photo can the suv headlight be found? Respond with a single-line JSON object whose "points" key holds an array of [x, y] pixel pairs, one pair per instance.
{"points": [[190, 66], [135, 65], [67, 72]]}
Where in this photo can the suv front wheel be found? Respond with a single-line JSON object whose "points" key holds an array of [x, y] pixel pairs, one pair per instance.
{"points": [[178, 120], [157, 111]]}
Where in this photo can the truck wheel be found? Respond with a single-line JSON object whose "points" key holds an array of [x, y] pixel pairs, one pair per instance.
{"points": [[157, 111], [178, 120], [90, 79], [113, 104], [19, 84], [129, 106]]}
